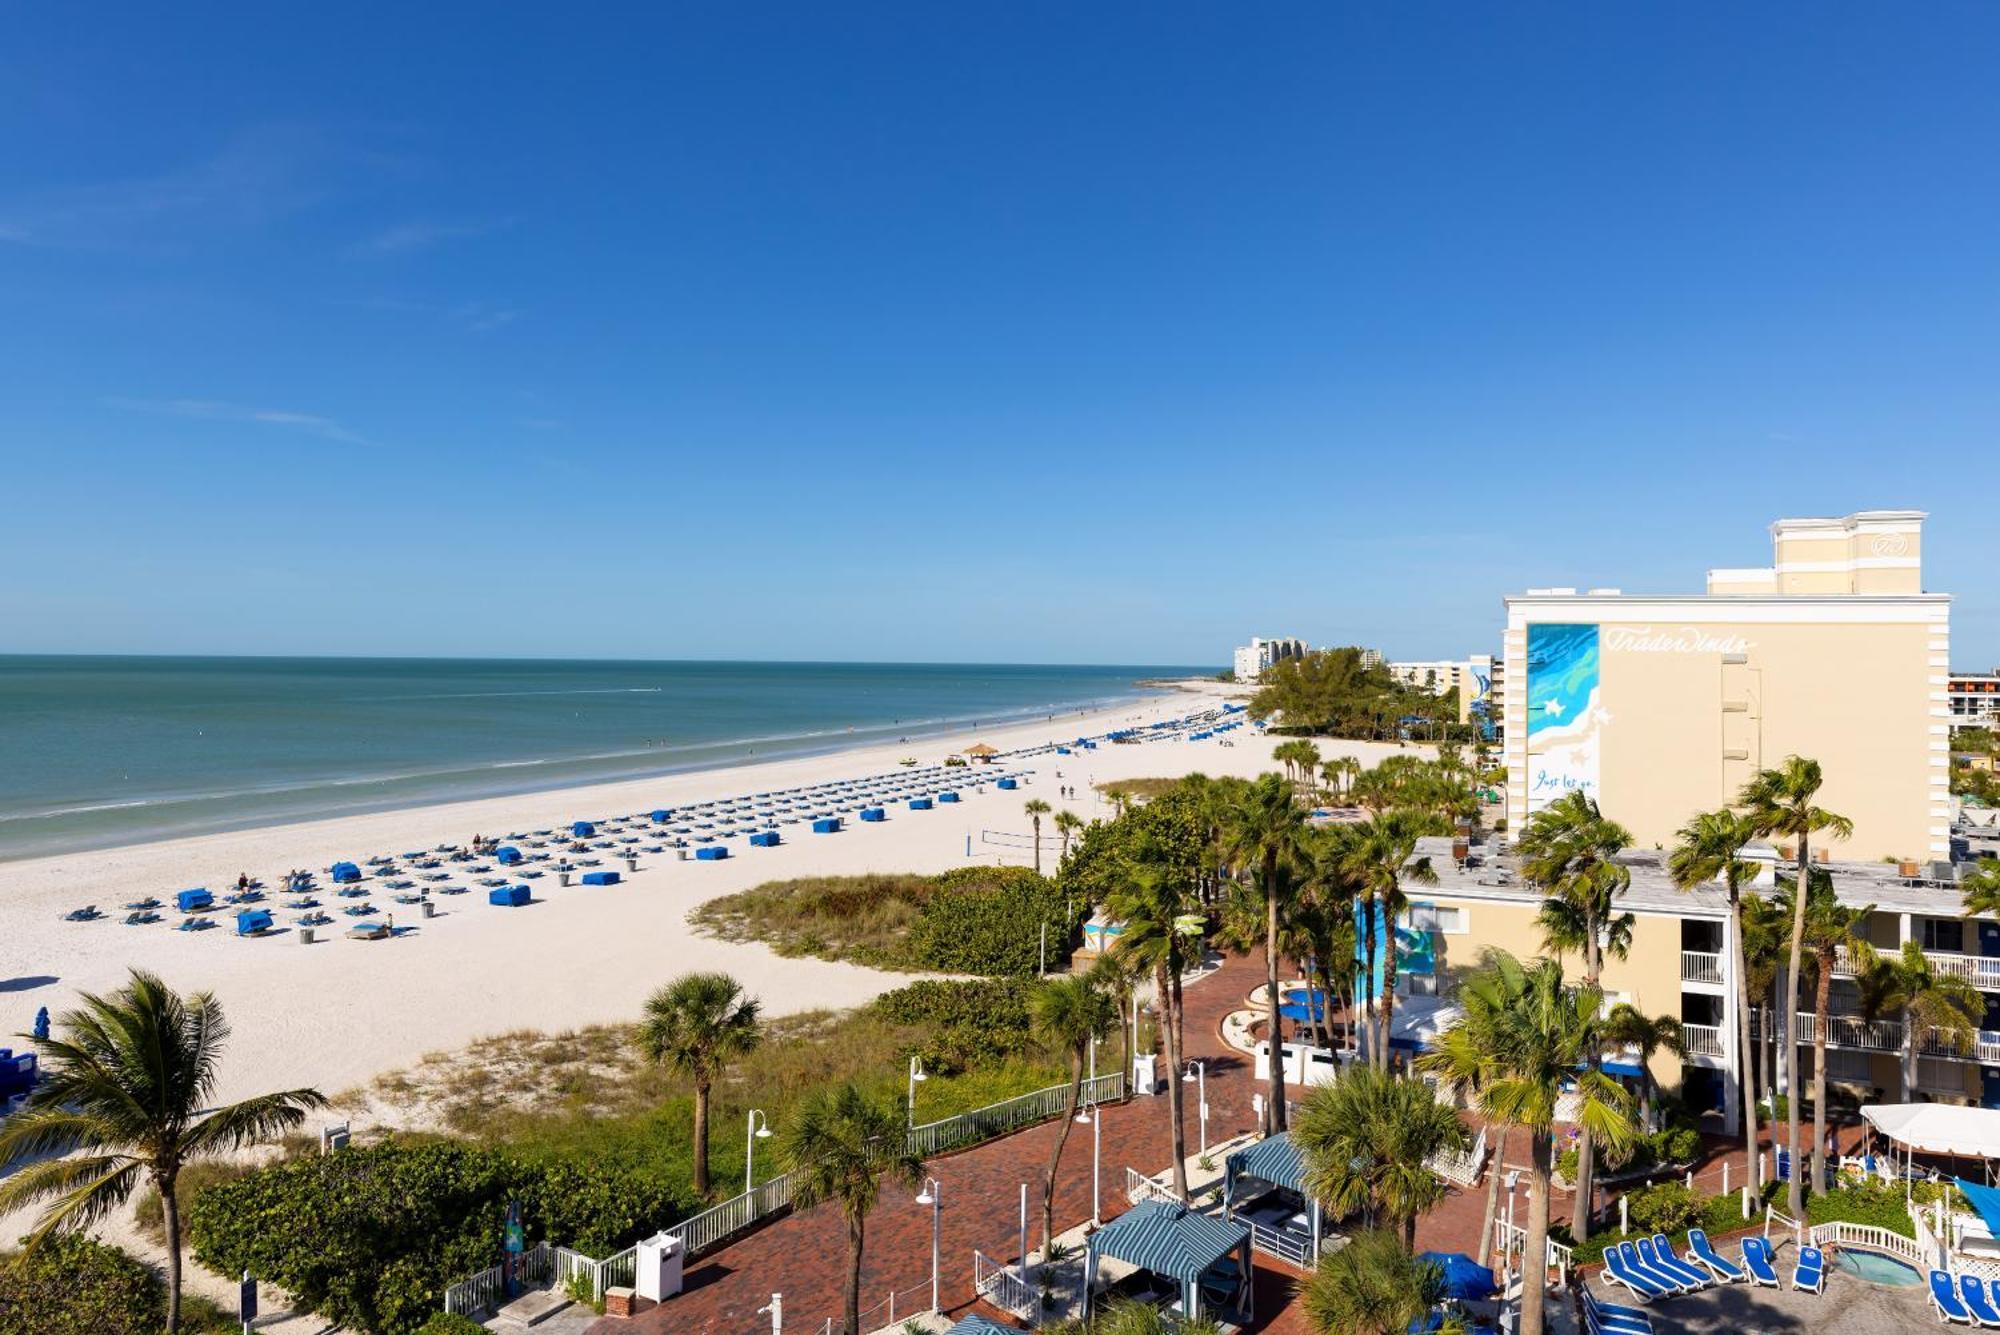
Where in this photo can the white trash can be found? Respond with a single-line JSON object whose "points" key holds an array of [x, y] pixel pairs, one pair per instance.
{"points": [[659, 1267]]}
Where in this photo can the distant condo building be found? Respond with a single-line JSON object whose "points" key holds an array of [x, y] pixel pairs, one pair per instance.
{"points": [[1474, 678], [1260, 653], [1661, 706], [1975, 699]]}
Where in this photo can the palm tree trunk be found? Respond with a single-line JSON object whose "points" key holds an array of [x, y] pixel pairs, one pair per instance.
{"points": [[1821, 995], [1274, 1090], [170, 1212], [1055, 1159], [1177, 1117], [1492, 1199], [1535, 1252], [1038, 845], [1367, 1016], [1745, 1062], [1388, 983], [1128, 1033], [701, 1138], [1793, 1200], [856, 1226], [1586, 1143]]}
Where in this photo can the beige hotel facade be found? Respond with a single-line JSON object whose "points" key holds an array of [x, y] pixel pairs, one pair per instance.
{"points": [[1661, 706]]}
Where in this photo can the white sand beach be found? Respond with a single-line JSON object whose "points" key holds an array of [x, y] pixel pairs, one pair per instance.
{"points": [[335, 1013]]}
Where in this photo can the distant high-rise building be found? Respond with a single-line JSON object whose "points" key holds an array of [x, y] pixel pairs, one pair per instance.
{"points": [[1261, 653]]}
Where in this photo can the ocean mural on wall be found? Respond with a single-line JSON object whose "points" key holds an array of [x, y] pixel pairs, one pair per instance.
{"points": [[1565, 711]]}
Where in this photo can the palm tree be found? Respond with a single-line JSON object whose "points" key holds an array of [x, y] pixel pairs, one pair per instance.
{"points": [[1381, 855], [1117, 978], [1340, 772], [1570, 849], [1542, 1032], [1935, 1005], [1780, 802], [1708, 847], [1765, 935], [1367, 1140], [1463, 1065], [1154, 903], [697, 1025], [1068, 1014], [1067, 823], [1265, 834], [128, 1081], [1323, 914], [1833, 929], [841, 1146], [1036, 809], [1372, 1286], [1629, 1027], [1981, 888]]}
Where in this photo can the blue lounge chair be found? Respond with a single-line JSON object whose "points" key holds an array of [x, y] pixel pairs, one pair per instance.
{"points": [[1635, 1262], [1612, 1319], [1945, 1300], [1810, 1271], [1656, 1256], [1704, 1254], [1976, 1301], [1757, 1260], [1640, 1286]]}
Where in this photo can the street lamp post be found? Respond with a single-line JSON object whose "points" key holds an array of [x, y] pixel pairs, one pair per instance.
{"points": [[916, 1074], [1513, 1181], [1198, 1071], [757, 1127], [933, 1196], [1092, 1114]]}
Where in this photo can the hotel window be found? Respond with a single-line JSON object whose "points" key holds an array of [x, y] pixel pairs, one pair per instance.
{"points": [[1438, 918], [1940, 1075], [1853, 1067], [1945, 934]]}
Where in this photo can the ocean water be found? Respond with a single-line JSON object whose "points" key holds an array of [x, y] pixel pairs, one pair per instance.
{"points": [[96, 752]]}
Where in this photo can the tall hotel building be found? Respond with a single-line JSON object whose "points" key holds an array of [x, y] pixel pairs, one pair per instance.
{"points": [[1660, 706]]}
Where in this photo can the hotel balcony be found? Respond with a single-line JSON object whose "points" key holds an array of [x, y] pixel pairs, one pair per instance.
{"points": [[1702, 1040], [1979, 970], [1858, 1035], [1700, 966]]}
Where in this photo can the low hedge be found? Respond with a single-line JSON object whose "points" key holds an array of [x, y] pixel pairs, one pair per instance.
{"points": [[990, 920], [1875, 1203], [971, 1023], [78, 1286], [369, 1238]]}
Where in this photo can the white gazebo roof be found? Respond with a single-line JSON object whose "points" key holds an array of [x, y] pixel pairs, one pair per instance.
{"points": [[1938, 1128]]}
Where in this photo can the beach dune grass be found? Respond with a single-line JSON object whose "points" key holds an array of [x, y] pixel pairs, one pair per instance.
{"points": [[863, 919]]}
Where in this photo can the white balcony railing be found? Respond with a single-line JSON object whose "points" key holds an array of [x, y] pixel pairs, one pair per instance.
{"points": [[1702, 1040], [1979, 970], [1700, 966]]}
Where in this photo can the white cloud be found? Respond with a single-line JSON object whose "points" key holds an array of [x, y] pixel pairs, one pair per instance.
{"points": [[215, 410]]}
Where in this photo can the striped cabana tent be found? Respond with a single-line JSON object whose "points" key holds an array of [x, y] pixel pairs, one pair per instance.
{"points": [[1274, 1160], [976, 1324], [1208, 1258]]}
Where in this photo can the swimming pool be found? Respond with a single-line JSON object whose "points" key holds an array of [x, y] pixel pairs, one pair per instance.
{"points": [[1877, 1268]]}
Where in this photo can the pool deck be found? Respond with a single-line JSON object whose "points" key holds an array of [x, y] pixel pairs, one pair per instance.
{"points": [[1849, 1306]]}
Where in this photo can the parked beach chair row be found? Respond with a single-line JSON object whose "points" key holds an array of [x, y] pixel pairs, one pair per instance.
{"points": [[1650, 1269], [1965, 1300]]}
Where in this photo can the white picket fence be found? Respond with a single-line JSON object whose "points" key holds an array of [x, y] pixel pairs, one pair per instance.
{"points": [[1461, 1168], [489, 1286], [717, 1224], [1511, 1241], [1003, 1286], [1872, 1238]]}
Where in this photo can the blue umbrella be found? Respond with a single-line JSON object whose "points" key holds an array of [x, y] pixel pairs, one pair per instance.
{"points": [[1464, 1278], [42, 1023]]}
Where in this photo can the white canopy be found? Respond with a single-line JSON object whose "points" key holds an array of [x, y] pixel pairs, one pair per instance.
{"points": [[1938, 1128]]}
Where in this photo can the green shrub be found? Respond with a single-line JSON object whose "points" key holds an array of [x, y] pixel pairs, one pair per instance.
{"points": [[370, 1237], [78, 1286], [1875, 1203], [451, 1323], [1667, 1207], [990, 920], [194, 1179], [969, 1023], [1679, 1145]]}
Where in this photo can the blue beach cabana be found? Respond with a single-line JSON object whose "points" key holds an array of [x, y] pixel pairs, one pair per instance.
{"points": [[975, 1324], [1204, 1261], [193, 901], [582, 829], [1263, 1187], [253, 922], [344, 873], [507, 855]]}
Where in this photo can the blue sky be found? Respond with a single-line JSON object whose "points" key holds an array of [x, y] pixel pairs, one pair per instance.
{"points": [[1036, 332]]}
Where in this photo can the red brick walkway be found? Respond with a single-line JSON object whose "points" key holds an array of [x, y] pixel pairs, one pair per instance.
{"points": [[805, 1256]]}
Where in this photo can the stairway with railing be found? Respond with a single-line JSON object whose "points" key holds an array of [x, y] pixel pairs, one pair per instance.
{"points": [[1003, 1286]]}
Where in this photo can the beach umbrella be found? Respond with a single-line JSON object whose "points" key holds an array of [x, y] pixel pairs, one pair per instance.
{"points": [[1464, 1278], [42, 1023]]}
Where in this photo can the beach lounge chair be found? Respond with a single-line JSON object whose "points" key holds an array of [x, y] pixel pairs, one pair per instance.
{"points": [[1945, 1300], [141, 918], [1618, 1271], [1757, 1260], [1973, 1292], [1636, 1263], [1655, 1255], [1809, 1273], [1703, 1254], [1605, 1318]]}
